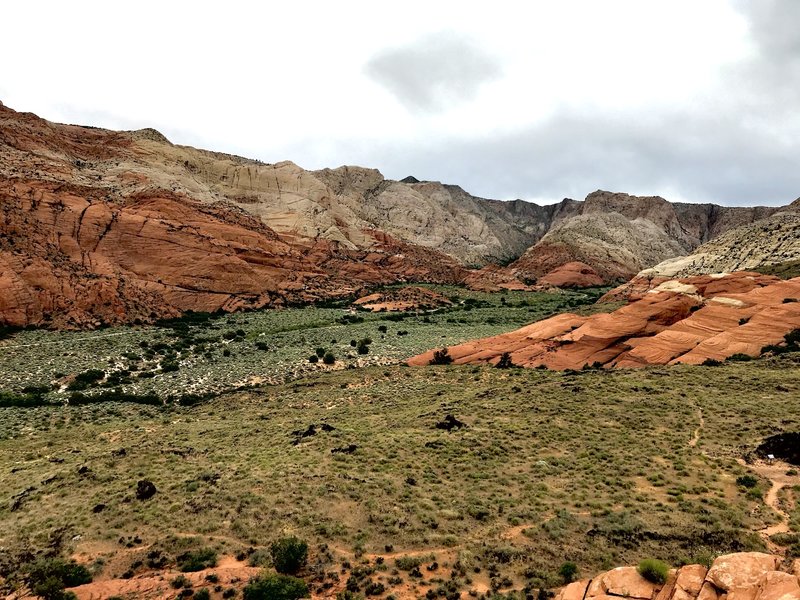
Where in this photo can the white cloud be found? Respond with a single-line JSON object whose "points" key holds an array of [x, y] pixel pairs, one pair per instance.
{"points": [[630, 93]]}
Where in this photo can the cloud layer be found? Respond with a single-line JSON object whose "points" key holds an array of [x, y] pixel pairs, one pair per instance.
{"points": [[695, 101]]}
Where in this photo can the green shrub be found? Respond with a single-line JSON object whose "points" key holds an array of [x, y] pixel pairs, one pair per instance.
{"points": [[313, 358], [505, 361], [329, 358], [441, 357], [276, 587], [320, 352], [568, 572], [202, 594], [653, 570], [289, 555], [197, 560], [746, 481], [47, 578]]}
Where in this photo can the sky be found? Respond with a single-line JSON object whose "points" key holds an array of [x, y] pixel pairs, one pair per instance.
{"points": [[692, 100]]}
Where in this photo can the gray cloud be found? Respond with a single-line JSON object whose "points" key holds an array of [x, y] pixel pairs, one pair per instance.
{"points": [[738, 144], [435, 72]]}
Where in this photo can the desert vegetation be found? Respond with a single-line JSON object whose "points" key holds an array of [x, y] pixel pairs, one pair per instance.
{"points": [[430, 481]]}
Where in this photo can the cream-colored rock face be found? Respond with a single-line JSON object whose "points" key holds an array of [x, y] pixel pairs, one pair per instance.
{"points": [[766, 242]]}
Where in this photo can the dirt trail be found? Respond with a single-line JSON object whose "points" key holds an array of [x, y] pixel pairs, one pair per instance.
{"points": [[696, 435], [776, 473]]}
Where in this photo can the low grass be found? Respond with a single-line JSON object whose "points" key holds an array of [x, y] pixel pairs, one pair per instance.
{"points": [[590, 467]]}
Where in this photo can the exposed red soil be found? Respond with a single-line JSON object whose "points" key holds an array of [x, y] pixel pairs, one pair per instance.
{"points": [[406, 298]]}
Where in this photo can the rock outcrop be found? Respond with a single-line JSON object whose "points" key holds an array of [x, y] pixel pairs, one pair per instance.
{"points": [[619, 235], [405, 298], [744, 575], [689, 320], [571, 275], [765, 243]]}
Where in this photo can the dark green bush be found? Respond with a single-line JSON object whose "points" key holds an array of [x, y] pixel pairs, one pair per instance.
{"points": [[313, 358], [197, 560], [568, 572], [441, 357], [47, 578], [746, 481], [289, 555], [276, 587], [329, 358], [320, 352], [653, 570]]}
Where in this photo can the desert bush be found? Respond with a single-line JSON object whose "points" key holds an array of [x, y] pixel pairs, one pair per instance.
{"points": [[505, 361], [47, 578], [313, 359], [329, 358], [86, 378], [653, 570], [202, 594], [289, 554], [320, 352], [197, 560], [746, 481], [276, 587], [441, 357], [568, 572]]}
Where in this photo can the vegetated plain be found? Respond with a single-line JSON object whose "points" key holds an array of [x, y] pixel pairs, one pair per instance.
{"points": [[202, 354], [590, 467], [431, 480]]}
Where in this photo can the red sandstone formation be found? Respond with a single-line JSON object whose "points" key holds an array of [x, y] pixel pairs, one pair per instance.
{"points": [[687, 320], [750, 575], [84, 242], [406, 298], [571, 275]]}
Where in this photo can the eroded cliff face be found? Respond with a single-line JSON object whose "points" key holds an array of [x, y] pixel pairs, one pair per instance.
{"points": [[96, 230], [619, 235], [686, 321]]}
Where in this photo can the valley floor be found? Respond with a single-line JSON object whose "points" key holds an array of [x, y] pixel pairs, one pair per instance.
{"points": [[593, 467]]}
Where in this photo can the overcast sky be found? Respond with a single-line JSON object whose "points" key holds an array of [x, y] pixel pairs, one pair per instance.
{"points": [[692, 100]]}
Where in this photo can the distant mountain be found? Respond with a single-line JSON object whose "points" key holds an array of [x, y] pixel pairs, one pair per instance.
{"points": [[101, 227]]}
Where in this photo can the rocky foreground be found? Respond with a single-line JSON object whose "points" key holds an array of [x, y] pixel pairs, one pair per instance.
{"points": [[741, 576], [690, 320]]}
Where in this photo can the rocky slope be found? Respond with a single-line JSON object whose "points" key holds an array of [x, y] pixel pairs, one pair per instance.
{"points": [[619, 235], [750, 575], [767, 242], [95, 230], [101, 227], [687, 320]]}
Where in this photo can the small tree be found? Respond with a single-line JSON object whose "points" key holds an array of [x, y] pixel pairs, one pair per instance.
{"points": [[289, 555], [568, 572], [505, 363], [441, 357], [329, 358]]}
